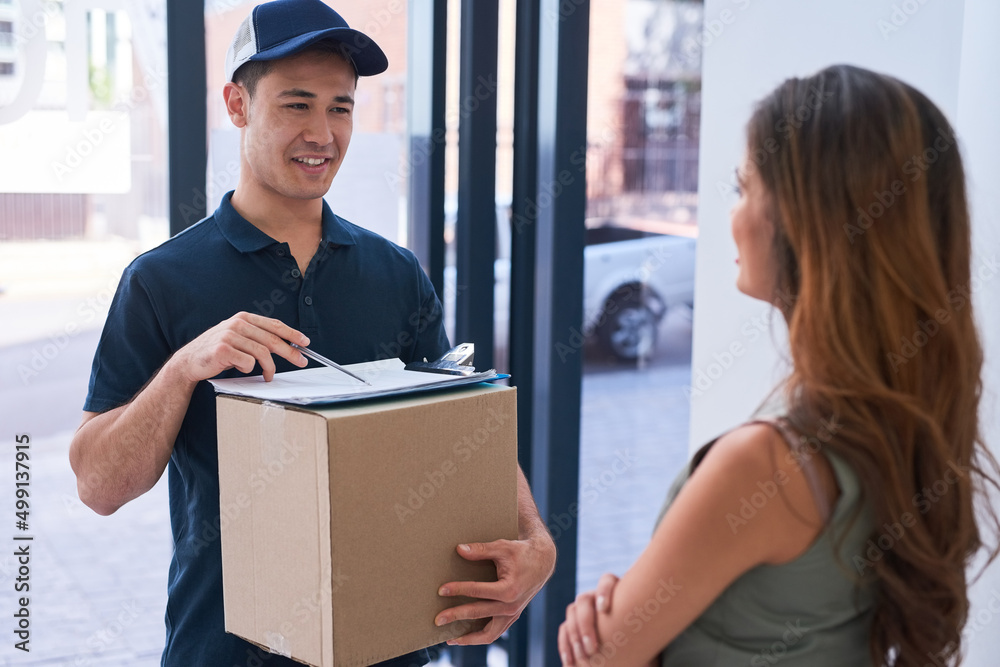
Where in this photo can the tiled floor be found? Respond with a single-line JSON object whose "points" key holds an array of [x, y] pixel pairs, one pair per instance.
{"points": [[97, 583]]}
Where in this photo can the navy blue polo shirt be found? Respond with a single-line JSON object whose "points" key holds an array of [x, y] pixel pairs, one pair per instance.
{"points": [[362, 298]]}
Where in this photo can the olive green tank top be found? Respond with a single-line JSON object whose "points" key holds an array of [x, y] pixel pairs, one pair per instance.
{"points": [[806, 613]]}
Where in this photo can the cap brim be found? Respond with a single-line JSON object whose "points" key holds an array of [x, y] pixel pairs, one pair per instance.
{"points": [[367, 56]]}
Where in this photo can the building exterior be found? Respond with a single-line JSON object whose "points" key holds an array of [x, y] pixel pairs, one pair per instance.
{"points": [[643, 111]]}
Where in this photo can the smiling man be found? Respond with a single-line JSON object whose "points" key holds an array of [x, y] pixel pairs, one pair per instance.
{"points": [[272, 265]]}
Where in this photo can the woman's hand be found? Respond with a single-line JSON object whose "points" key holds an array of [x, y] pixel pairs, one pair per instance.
{"points": [[578, 638]]}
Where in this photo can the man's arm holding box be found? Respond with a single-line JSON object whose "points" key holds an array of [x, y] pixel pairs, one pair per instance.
{"points": [[523, 567], [118, 455]]}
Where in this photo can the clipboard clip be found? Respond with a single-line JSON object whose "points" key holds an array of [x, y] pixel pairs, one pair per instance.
{"points": [[456, 361]]}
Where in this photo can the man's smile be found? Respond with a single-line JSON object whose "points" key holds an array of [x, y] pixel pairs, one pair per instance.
{"points": [[312, 161]]}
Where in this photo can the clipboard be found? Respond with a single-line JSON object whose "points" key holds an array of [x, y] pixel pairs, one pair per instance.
{"points": [[312, 386]]}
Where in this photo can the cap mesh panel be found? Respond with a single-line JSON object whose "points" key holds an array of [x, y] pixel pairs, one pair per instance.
{"points": [[244, 35]]}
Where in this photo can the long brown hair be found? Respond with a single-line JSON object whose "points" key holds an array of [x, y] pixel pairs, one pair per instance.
{"points": [[873, 251]]}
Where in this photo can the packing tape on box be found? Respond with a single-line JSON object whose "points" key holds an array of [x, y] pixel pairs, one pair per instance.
{"points": [[272, 432], [276, 643]]}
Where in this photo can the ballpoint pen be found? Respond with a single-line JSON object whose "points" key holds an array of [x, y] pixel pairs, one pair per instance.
{"points": [[326, 362]]}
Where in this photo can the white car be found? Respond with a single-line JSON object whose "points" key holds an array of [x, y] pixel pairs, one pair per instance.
{"points": [[631, 279]]}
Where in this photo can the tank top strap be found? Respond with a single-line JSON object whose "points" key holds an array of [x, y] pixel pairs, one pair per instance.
{"points": [[805, 461]]}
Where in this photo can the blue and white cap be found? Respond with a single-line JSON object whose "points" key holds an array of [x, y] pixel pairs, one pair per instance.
{"points": [[284, 27]]}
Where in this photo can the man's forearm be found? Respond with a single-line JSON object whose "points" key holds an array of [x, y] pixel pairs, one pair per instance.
{"points": [[529, 523], [120, 454]]}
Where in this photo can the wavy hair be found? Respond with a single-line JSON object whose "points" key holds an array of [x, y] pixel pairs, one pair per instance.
{"points": [[873, 255]]}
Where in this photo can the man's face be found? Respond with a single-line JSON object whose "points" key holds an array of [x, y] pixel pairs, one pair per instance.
{"points": [[299, 126]]}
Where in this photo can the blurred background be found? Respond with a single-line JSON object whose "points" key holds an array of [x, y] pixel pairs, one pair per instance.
{"points": [[85, 187]]}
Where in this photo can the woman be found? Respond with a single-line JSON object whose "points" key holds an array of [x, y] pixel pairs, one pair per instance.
{"points": [[839, 532]]}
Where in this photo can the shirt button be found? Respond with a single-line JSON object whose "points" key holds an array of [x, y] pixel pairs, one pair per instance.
{"points": [[296, 273], [308, 300], [280, 252]]}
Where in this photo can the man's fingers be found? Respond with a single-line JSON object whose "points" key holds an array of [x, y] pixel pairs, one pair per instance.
{"points": [[242, 361], [247, 346], [484, 590], [276, 327], [239, 342], [605, 587], [489, 634], [269, 331], [272, 334], [470, 611], [496, 550]]}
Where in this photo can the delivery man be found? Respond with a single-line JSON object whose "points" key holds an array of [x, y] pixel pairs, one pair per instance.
{"points": [[272, 265]]}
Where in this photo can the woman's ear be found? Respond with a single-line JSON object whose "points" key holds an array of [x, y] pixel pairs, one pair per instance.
{"points": [[237, 103]]}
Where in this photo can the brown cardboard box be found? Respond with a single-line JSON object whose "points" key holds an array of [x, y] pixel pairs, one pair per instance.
{"points": [[339, 523]]}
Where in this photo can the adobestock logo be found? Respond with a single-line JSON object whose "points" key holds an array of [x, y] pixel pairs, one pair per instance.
{"points": [[901, 14], [914, 168], [433, 481], [924, 502], [636, 620], [590, 490], [792, 635]]}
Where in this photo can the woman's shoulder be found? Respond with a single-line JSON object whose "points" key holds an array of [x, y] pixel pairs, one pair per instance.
{"points": [[768, 480]]}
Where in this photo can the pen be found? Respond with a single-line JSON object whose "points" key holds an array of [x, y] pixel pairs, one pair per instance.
{"points": [[326, 362]]}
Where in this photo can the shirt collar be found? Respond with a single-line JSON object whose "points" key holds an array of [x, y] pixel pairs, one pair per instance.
{"points": [[336, 230], [246, 238]]}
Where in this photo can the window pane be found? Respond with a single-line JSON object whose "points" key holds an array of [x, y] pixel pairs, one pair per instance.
{"points": [[82, 192], [82, 109], [642, 177]]}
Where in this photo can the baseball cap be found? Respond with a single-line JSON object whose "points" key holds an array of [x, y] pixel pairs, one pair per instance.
{"points": [[284, 27]]}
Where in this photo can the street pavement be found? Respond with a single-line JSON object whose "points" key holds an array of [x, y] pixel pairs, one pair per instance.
{"points": [[98, 584], [634, 434]]}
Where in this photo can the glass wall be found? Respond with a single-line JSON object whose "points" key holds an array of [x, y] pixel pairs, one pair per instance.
{"points": [[82, 124], [642, 226], [83, 91]]}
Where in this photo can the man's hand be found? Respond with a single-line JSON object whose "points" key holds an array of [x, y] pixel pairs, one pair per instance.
{"points": [[578, 638], [239, 342], [523, 567], [118, 455]]}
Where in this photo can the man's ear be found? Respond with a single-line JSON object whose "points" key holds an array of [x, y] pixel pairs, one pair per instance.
{"points": [[237, 103]]}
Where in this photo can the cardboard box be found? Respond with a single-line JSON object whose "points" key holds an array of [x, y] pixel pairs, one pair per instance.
{"points": [[339, 523]]}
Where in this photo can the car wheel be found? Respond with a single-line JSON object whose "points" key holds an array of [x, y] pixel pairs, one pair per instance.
{"points": [[631, 327]]}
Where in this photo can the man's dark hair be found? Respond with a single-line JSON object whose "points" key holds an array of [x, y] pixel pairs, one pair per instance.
{"points": [[251, 72]]}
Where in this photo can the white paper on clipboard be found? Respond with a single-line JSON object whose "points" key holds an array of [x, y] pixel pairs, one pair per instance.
{"points": [[328, 385]]}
